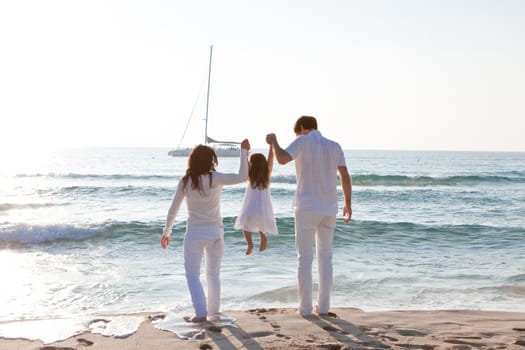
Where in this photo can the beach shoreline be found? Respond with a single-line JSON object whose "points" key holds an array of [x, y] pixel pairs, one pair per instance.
{"points": [[284, 328]]}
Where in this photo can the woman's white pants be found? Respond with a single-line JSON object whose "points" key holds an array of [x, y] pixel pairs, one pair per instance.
{"points": [[207, 241]]}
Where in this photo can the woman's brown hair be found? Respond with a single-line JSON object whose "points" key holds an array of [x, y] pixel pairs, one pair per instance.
{"points": [[258, 173], [202, 160]]}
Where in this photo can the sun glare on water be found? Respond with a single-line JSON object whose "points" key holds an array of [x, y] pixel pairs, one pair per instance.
{"points": [[18, 161]]}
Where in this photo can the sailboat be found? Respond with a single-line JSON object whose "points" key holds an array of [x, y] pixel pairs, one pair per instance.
{"points": [[222, 148]]}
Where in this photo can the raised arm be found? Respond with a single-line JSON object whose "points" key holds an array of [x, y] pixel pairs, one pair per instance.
{"points": [[280, 154], [242, 174], [346, 183], [270, 159]]}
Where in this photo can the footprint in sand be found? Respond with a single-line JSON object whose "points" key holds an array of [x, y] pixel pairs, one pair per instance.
{"points": [[279, 335], [84, 342], [333, 329], [156, 317], [426, 347], [260, 334], [410, 333], [520, 341], [466, 344], [332, 346], [263, 310], [215, 329], [389, 338]]}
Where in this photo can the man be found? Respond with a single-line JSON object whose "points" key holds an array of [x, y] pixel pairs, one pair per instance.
{"points": [[317, 162]]}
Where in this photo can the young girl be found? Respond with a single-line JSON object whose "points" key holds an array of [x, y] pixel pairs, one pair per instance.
{"points": [[201, 187], [257, 213]]}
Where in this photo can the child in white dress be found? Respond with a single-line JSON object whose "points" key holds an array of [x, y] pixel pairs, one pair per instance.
{"points": [[257, 212]]}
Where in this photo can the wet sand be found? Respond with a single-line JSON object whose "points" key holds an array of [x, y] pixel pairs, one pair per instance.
{"points": [[347, 328]]}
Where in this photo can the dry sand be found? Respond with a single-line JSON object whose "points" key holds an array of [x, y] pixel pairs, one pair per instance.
{"points": [[348, 329]]}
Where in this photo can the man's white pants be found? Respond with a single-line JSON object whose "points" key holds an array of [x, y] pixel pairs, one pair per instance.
{"points": [[313, 229], [208, 241]]}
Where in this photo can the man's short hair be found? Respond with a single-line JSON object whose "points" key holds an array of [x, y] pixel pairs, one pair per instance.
{"points": [[307, 122]]}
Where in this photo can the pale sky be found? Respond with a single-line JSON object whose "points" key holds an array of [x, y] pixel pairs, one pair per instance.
{"points": [[416, 75]]}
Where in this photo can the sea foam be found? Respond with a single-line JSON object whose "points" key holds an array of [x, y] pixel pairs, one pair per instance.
{"points": [[53, 330]]}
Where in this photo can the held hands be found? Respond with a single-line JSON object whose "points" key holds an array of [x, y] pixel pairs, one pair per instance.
{"points": [[245, 144], [271, 139], [164, 241]]}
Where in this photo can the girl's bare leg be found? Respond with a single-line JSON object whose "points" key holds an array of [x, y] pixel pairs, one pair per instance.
{"points": [[264, 241], [248, 238]]}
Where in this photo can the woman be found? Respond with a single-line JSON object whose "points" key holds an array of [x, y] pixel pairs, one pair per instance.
{"points": [[201, 186]]}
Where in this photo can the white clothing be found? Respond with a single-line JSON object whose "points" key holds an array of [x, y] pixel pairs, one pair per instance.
{"points": [[316, 161], [204, 234], [313, 228], [210, 242], [256, 212], [204, 208]]}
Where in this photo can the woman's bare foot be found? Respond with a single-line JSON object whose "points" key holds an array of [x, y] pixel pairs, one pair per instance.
{"points": [[264, 242], [194, 319]]}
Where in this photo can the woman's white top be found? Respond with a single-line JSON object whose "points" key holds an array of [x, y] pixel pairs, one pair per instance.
{"points": [[204, 206]]}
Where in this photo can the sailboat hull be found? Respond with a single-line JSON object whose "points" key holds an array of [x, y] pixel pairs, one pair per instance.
{"points": [[180, 152], [221, 152]]}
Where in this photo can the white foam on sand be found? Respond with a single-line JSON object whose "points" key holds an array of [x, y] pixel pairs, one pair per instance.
{"points": [[50, 331], [54, 330], [175, 323], [117, 327]]}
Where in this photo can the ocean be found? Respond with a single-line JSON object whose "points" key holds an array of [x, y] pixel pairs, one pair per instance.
{"points": [[80, 234]]}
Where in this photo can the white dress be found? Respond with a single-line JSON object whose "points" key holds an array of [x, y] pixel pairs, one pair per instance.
{"points": [[256, 211]]}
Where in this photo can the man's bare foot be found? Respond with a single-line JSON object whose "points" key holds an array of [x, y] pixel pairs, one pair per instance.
{"points": [[249, 249], [264, 242], [194, 319]]}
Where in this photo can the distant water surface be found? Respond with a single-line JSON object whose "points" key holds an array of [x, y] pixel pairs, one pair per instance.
{"points": [[80, 231]]}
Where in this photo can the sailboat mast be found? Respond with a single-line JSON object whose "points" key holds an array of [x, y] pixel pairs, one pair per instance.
{"points": [[208, 99]]}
